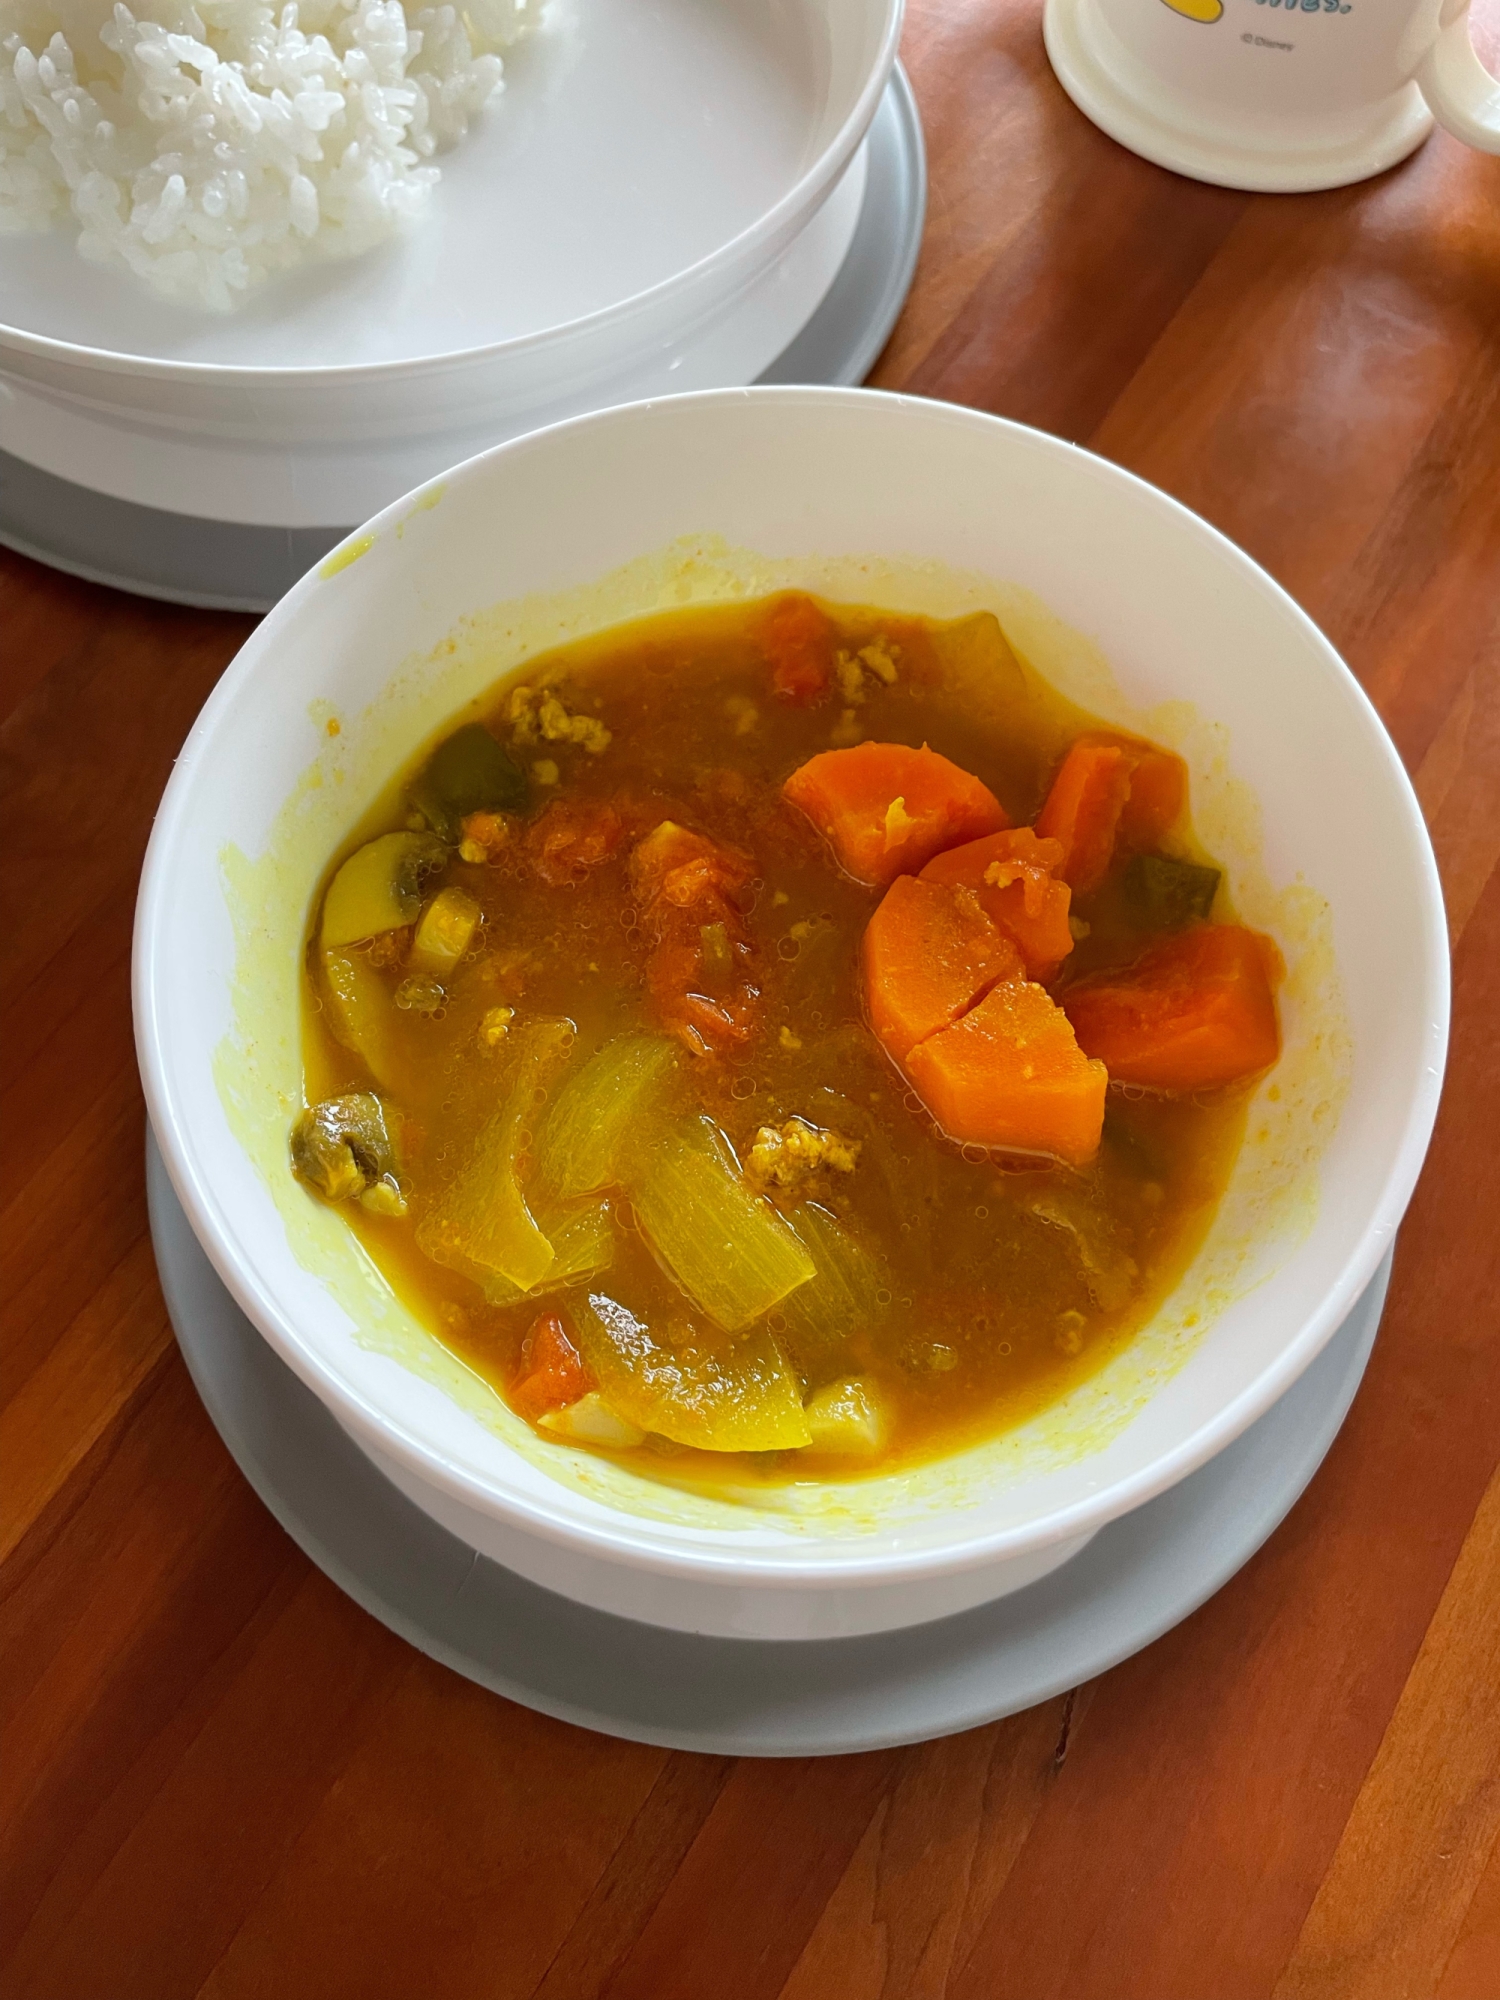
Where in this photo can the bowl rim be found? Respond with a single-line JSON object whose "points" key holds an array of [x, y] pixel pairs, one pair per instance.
{"points": [[641, 1541], [757, 239]]}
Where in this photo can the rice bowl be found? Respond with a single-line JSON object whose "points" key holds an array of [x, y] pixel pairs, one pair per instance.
{"points": [[568, 261], [206, 149]]}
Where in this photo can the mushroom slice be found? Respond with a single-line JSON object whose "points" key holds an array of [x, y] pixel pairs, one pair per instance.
{"points": [[343, 1146], [379, 887]]}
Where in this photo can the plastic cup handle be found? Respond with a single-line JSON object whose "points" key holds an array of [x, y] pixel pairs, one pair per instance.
{"points": [[1463, 95]]}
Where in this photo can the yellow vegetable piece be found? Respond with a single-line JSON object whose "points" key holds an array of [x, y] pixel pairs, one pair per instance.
{"points": [[362, 1015], [979, 669], [596, 1109], [1100, 1248], [385, 1198], [697, 1390], [445, 932], [482, 1225], [718, 959], [583, 1245], [848, 1295], [591, 1421], [725, 1247], [379, 887], [848, 1416]]}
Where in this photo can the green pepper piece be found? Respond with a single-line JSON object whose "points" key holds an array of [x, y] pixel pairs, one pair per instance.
{"points": [[1166, 894], [469, 772]]}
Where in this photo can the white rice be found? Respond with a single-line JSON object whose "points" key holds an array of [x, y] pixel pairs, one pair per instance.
{"points": [[206, 145]]}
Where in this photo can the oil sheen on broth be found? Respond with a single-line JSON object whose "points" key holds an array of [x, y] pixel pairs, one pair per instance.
{"points": [[780, 1041]]}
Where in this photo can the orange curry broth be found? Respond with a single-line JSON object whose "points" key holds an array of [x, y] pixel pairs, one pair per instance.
{"points": [[995, 1312]]}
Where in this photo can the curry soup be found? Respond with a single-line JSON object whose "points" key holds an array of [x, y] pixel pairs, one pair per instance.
{"points": [[780, 1041]]}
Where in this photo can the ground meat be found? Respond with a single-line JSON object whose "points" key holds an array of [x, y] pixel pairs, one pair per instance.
{"points": [[873, 665], [797, 1152], [539, 715]]}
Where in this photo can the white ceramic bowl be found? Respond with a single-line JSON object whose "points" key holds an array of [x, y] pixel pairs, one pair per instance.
{"points": [[658, 202], [1130, 603]]}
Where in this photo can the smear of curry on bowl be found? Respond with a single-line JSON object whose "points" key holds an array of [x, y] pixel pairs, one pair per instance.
{"points": [[781, 1041]]}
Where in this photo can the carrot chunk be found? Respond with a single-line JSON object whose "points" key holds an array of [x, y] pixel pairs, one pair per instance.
{"points": [[1010, 1073], [553, 1372], [1083, 810], [929, 952], [1012, 875], [1158, 789], [1110, 790], [1196, 1011], [800, 642], [886, 809]]}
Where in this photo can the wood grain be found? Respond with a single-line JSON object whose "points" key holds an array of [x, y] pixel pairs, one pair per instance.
{"points": [[221, 1778], [1376, 1925]]}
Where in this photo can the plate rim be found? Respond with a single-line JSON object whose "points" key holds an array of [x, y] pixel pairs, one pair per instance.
{"points": [[806, 193], [1334, 1379], [896, 128]]}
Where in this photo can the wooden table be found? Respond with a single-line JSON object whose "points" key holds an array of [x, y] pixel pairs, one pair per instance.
{"points": [[220, 1777]]}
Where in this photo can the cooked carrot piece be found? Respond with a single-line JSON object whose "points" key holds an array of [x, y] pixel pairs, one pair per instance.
{"points": [[1158, 790], [1009, 1073], [886, 809], [1196, 1011], [1012, 875], [929, 952], [800, 642], [1083, 810], [553, 1372], [1110, 790]]}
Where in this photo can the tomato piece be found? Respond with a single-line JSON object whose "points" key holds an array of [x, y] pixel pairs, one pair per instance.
{"points": [[553, 1372], [800, 642]]}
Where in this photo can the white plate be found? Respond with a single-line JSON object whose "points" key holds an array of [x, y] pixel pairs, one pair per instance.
{"points": [[660, 202], [1138, 1577], [240, 566], [633, 139], [260, 454]]}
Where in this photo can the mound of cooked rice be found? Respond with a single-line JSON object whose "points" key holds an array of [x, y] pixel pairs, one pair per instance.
{"points": [[207, 144]]}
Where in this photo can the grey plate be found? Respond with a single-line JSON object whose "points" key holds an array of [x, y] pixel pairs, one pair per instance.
{"points": [[1134, 1581], [228, 566]]}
